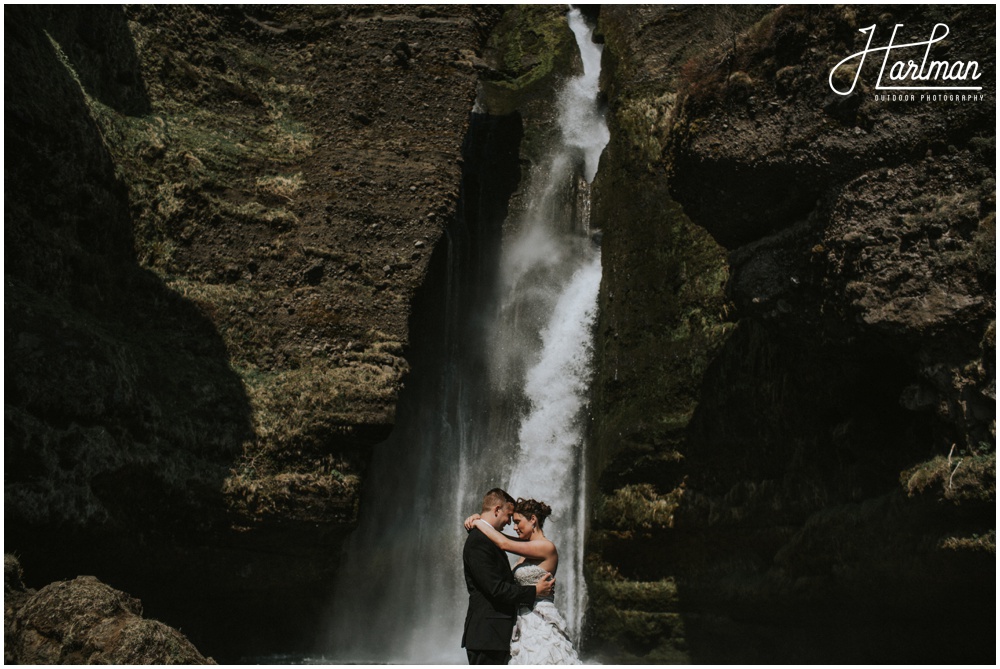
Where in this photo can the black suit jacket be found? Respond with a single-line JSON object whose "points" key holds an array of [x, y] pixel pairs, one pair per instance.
{"points": [[494, 595]]}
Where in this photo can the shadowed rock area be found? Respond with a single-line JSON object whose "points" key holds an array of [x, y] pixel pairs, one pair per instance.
{"points": [[84, 621], [215, 230], [794, 411]]}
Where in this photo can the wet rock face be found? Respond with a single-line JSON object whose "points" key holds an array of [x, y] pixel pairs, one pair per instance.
{"points": [[83, 621], [831, 439]]}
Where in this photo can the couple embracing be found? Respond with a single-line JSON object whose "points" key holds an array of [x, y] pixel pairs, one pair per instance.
{"points": [[512, 616]]}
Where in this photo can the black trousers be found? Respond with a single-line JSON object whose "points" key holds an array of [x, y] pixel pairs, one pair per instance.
{"points": [[488, 656]]}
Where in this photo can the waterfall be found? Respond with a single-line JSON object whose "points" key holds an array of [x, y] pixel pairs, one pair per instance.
{"points": [[499, 400], [553, 270]]}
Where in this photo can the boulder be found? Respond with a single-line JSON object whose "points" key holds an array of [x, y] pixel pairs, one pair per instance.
{"points": [[84, 621]]}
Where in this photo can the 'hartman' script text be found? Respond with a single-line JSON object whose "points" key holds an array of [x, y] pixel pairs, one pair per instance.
{"points": [[911, 72]]}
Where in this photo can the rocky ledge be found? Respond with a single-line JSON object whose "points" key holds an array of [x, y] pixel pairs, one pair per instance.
{"points": [[84, 621]]}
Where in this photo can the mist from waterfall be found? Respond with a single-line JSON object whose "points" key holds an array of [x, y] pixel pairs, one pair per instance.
{"points": [[552, 273], [505, 407]]}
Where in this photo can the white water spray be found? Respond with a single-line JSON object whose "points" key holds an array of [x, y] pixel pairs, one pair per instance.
{"points": [[580, 116], [509, 413], [551, 465]]}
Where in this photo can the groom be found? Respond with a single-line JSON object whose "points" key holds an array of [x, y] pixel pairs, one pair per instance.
{"points": [[494, 595]]}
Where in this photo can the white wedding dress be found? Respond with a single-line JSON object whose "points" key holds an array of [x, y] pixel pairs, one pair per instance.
{"points": [[540, 635]]}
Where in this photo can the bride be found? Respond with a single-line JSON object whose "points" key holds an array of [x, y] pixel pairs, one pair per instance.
{"points": [[539, 635]]}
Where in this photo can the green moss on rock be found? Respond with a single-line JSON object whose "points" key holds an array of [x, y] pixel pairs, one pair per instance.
{"points": [[527, 48], [527, 53]]}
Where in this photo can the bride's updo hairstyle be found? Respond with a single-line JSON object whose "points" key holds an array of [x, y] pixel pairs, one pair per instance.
{"points": [[532, 507]]}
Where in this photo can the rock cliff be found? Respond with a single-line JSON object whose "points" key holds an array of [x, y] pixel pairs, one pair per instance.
{"points": [[794, 410], [216, 227]]}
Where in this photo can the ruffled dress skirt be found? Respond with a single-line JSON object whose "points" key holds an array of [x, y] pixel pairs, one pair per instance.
{"points": [[540, 637]]}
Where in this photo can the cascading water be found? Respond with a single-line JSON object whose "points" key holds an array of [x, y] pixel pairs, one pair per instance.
{"points": [[552, 270], [502, 404]]}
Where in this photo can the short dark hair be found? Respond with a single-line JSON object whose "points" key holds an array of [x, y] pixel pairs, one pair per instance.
{"points": [[496, 497]]}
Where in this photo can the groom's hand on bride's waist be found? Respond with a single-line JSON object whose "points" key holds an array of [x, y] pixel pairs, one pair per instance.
{"points": [[545, 586]]}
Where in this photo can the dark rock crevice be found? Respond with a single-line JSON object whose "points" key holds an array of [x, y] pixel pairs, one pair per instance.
{"points": [[89, 399]]}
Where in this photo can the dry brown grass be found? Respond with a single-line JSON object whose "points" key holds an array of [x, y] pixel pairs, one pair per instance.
{"points": [[975, 542], [281, 186], [639, 507], [969, 477]]}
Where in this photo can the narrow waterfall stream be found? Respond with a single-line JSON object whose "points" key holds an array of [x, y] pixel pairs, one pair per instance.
{"points": [[502, 402], [553, 271]]}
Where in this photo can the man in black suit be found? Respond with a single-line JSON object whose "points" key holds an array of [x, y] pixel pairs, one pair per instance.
{"points": [[494, 595]]}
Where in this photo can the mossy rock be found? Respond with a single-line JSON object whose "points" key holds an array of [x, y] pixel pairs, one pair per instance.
{"points": [[530, 45]]}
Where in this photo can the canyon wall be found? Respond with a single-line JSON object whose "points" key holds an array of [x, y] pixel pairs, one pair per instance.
{"points": [[217, 224], [795, 402], [226, 227]]}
